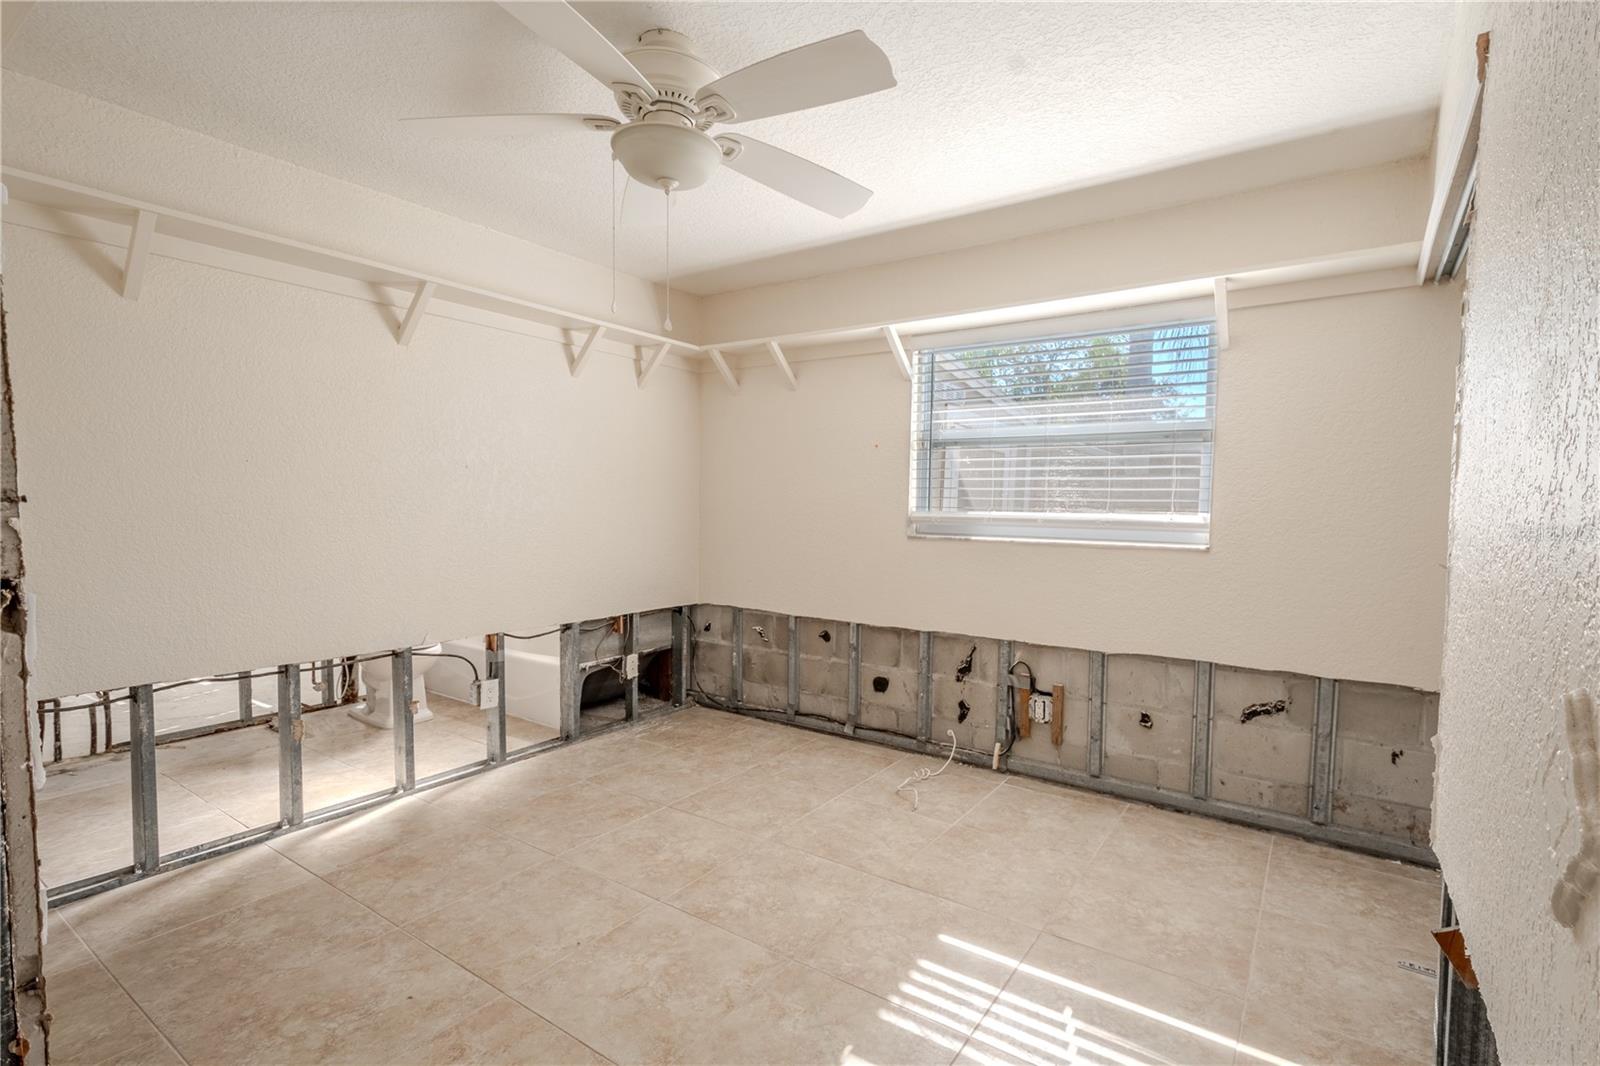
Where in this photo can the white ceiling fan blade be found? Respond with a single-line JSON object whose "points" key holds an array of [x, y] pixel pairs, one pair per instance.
{"points": [[824, 72], [505, 125], [561, 27], [797, 178]]}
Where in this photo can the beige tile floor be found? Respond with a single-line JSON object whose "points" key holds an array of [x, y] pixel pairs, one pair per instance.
{"points": [[707, 888], [213, 786]]}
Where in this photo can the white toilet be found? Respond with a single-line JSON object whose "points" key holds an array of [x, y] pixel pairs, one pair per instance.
{"points": [[377, 676]]}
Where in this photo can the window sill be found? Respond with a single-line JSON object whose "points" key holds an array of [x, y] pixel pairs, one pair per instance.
{"points": [[1069, 542]]}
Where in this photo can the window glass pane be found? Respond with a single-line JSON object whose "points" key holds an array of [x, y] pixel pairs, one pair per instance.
{"points": [[1107, 424]]}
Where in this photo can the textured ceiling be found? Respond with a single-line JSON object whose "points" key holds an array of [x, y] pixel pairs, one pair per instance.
{"points": [[997, 102]]}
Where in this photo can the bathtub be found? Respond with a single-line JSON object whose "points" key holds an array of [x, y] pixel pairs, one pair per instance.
{"points": [[532, 678]]}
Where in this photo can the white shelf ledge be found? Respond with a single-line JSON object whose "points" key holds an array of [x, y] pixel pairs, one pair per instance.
{"points": [[55, 195]]}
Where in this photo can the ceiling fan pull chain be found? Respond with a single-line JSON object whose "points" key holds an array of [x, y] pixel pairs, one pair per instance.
{"points": [[668, 322]]}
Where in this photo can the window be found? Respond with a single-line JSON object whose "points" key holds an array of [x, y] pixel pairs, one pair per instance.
{"points": [[1099, 435]]}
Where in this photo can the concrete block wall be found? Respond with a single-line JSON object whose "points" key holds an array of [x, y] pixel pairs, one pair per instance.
{"points": [[1149, 721], [977, 688], [1260, 753], [1383, 760], [890, 659], [766, 659], [711, 643], [824, 667], [1264, 762]]}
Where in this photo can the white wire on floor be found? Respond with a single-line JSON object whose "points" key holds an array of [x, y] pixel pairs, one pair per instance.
{"points": [[923, 774]]}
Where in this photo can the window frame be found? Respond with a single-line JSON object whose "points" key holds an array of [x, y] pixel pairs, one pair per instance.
{"points": [[1125, 529]]}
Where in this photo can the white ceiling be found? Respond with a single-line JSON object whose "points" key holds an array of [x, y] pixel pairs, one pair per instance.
{"points": [[997, 102]]}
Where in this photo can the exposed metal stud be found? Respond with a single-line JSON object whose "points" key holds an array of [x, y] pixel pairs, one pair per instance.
{"points": [[781, 361], [494, 667], [414, 313], [140, 237], [1097, 711], [142, 775], [571, 680], [630, 667], [925, 687], [1200, 751], [793, 705], [852, 713], [1322, 754], [738, 656], [405, 748], [681, 638], [291, 733], [247, 706], [1004, 708]]}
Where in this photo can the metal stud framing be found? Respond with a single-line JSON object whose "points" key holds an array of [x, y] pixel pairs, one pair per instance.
{"points": [[681, 650], [1200, 752], [571, 680], [852, 712], [494, 668], [142, 775], [1097, 711], [1322, 750], [925, 687], [793, 704], [738, 655], [405, 753], [291, 782], [630, 667], [1003, 706]]}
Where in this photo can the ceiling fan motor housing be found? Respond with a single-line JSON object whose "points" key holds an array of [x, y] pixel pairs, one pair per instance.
{"points": [[663, 146]]}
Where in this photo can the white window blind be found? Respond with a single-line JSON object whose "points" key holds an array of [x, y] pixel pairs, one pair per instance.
{"points": [[1093, 436]]}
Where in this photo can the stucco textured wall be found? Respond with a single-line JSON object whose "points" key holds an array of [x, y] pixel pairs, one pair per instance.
{"points": [[1525, 532], [1329, 504], [232, 472]]}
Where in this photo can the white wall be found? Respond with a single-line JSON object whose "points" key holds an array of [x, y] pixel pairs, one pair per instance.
{"points": [[1328, 526], [233, 472], [1525, 533]]}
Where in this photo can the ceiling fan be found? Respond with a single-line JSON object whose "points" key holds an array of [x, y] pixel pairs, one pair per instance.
{"points": [[670, 98]]}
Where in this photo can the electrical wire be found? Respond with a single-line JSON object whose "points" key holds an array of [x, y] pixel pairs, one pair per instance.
{"points": [[531, 636], [923, 774]]}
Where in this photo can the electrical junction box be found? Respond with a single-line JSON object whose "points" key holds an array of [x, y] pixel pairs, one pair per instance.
{"points": [[488, 692], [1039, 706], [630, 666]]}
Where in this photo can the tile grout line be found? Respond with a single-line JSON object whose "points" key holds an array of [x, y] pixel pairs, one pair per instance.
{"points": [[1255, 940], [396, 927], [1000, 994], [802, 962], [95, 955]]}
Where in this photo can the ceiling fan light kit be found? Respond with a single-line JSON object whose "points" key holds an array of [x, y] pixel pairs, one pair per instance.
{"points": [[670, 98]]}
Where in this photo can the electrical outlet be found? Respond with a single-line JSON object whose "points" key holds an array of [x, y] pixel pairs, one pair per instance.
{"points": [[1040, 706], [630, 666], [488, 693]]}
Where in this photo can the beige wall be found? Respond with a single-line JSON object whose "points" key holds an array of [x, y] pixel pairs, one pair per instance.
{"points": [[233, 472], [1525, 534], [1333, 215], [1328, 528]]}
